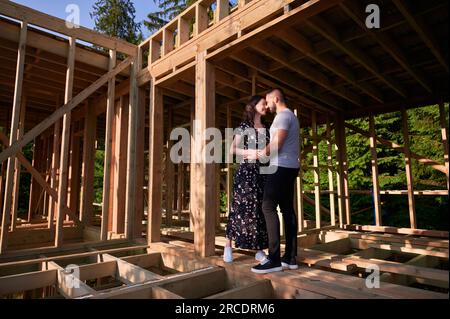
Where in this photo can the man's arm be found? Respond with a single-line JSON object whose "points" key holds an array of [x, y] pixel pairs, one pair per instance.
{"points": [[276, 143]]}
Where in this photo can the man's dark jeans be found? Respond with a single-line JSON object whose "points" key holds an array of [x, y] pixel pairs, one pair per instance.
{"points": [[279, 190]]}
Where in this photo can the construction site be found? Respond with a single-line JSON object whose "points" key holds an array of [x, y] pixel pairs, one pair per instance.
{"points": [[159, 231]]}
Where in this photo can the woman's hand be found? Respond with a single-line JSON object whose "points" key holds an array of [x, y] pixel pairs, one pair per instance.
{"points": [[251, 155]]}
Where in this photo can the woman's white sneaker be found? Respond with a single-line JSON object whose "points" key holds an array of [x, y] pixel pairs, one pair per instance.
{"points": [[260, 255], [289, 264], [228, 255]]}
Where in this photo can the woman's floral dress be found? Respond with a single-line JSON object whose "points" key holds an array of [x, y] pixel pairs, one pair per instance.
{"points": [[246, 224]]}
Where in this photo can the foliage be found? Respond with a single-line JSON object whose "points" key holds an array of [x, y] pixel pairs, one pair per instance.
{"points": [[117, 18]]}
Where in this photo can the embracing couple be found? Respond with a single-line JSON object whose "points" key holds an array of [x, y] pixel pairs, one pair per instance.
{"points": [[253, 219]]}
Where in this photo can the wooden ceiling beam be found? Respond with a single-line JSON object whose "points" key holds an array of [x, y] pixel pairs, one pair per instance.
{"points": [[322, 27], [302, 44], [260, 65], [417, 23], [354, 10], [278, 54]]}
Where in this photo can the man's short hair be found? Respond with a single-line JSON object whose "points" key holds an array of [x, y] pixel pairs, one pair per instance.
{"points": [[279, 93]]}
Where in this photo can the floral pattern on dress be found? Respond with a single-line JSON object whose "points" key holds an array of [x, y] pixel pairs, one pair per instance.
{"points": [[246, 224]]}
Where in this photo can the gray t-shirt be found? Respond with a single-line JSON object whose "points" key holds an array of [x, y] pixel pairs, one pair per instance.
{"points": [[288, 155]]}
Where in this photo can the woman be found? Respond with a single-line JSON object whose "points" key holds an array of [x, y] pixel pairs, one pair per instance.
{"points": [[246, 224]]}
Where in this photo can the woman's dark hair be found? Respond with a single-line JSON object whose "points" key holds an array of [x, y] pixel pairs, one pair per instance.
{"points": [[250, 109]]}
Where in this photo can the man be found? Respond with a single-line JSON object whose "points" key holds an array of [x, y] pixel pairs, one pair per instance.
{"points": [[279, 188]]}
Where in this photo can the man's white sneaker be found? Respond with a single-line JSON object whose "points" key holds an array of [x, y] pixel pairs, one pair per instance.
{"points": [[260, 255], [228, 255]]}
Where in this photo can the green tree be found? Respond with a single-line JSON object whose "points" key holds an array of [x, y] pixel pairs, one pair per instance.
{"points": [[168, 9], [116, 18]]}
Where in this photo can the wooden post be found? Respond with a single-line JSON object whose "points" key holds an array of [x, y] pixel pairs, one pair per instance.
{"points": [[315, 152], [34, 187], [108, 148], [229, 166], [192, 171], [88, 165], [444, 136], [204, 192], [17, 168], [169, 176], [120, 165], [343, 190], [408, 169], [180, 189], [74, 174], [130, 199], [201, 18], [168, 41], [330, 173], [55, 166], [299, 182], [65, 140], [375, 182], [140, 140], [155, 51], [222, 9], [155, 164], [183, 31], [13, 136]]}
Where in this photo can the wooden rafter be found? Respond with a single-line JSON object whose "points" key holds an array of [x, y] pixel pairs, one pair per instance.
{"points": [[423, 31], [322, 27]]}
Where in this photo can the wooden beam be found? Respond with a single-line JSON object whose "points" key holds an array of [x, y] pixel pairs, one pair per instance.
{"points": [[169, 172], [330, 172], [204, 193], [322, 27], [130, 199], [201, 18], [304, 45], [108, 147], [299, 181], [423, 31], [342, 172], [315, 152], [18, 12], [129, 273], [374, 163], [87, 193], [69, 285], [278, 54], [28, 281], [396, 230], [168, 41], [408, 169], [140, 164], [355, 11], [39, 179], [55, 166], [64, 156], [421, 159], [42, 126], [13, 136], [183, 31], [154, 210], [294, 83], [15, 202], [444, 136], [120, 165], [222, 10]]}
